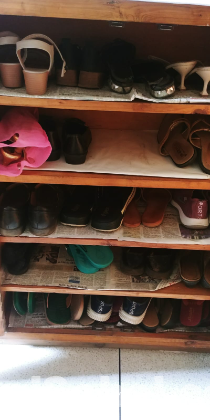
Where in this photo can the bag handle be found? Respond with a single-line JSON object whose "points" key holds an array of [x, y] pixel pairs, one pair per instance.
{"points": [[30, 42]]}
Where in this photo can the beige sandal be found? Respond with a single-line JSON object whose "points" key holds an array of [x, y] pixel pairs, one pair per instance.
{"points": [[173, 141], [36, 79], [11, 71], [183, 68]]}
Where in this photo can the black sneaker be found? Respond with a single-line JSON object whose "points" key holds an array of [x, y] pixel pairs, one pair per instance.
{"points": [[76, 141], [78, 206], [13, 209], [91, 68], [110, 206], [133, 309], [133, 261], [50, 128], [160, 263], [100, 308], [71, 55]]}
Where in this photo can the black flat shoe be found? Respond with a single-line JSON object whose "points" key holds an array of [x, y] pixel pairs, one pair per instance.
{"points": [[109, 208], [16, 257], [13, 209], [160, 263], [133, 260], [91, 74], [76, 141], [77, 207], [71, 55], [159, 83], [49, 127], [45, 206]]}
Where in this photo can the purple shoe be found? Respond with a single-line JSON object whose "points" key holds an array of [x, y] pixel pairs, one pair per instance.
{"points": [[192, 207]]}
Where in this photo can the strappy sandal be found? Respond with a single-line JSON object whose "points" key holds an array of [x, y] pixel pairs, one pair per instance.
{"points": [[36, 78], [11, 71], [173, 140], [183, 68], [200, 138]]}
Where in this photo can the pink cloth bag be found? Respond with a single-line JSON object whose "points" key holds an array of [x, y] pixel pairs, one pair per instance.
{"points": [[24, 122]]}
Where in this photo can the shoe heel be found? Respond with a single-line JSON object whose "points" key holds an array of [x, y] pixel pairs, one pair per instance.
{"points": [[70, 78], [91, 80], [36, 83], [11, 75], [75, 159]]}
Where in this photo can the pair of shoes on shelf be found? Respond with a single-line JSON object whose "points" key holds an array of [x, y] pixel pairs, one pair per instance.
{"points": [[185, 313], [36, 65], [16, 257], [195, 268], [193, 207], [39, 207], [104, 207], [183, 138], [156, 200], [90, 258], [156, 263], [186, 69]]}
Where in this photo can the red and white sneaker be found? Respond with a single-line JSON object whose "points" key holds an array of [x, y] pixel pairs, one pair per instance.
{"points": [[192, 207]]}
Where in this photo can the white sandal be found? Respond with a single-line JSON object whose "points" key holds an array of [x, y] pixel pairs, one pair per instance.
{"points": [[11, 73], [36, 79], [183, 68], [204, 73]]}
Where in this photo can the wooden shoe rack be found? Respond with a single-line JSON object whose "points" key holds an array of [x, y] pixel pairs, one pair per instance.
{"points": [[174, 32]]}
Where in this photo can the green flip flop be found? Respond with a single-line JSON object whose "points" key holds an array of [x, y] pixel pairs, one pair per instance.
{"points": [[81, 260], [31, 302], [57, 307], [98, 256], [20, 302]]}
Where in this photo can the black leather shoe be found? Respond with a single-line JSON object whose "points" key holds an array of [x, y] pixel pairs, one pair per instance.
{"points": [[71, 55], [91, 69], [13, 209], [77, 207], [133, 260], [108, 211], [119, 56], [160, 263], [45, 205], [16, 257], [49, 127], [76, 141]]}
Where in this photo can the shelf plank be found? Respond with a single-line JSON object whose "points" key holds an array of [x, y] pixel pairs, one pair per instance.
{"points": [[121, 10], [177, 291], [165, 341], [134, 106]]}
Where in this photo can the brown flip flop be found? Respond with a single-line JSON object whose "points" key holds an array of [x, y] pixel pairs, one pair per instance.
{"points": [[200, 138], [151, 320], [191, 312], [85, 320], [132, 216], [173, 141], [206, 271], [170, 310], [191, 267], [77, 306], [157, 201]]}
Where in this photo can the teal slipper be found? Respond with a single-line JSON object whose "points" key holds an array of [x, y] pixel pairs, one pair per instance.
{"points": [[98, 256], [81, 261], [20, 302]]}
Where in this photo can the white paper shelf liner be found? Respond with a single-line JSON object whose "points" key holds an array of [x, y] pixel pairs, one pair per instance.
{"points": [[128, 152]]}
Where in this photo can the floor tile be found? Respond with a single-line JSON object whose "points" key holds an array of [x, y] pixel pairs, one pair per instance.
{"points": [[55, 383], [157, 384]]}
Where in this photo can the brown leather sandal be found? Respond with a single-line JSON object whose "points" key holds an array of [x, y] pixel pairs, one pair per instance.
{"points": [[173, 141], [157, 201], [200, 138]]}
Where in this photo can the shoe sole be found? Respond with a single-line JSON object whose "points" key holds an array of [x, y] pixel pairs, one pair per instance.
{"points": [[71, 224], [97, 317], [190, 222], [134, 320]]}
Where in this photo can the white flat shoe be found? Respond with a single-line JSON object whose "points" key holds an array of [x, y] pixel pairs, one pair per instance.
{"points": [[183, 69]]}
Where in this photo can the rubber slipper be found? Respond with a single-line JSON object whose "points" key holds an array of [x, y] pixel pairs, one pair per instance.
{"points": [[85, 320], [77, 306], [151, 320], [81, 261], [170, 312], [98, 256], [57, 308], [20, 302], [157, 201], [173, 140], [31, 301], [200, 138], [132, 216], [205, 281], [191, 267], [191, 312]]}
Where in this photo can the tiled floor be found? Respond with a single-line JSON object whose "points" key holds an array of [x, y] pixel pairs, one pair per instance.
{"points": [[54, 383]]}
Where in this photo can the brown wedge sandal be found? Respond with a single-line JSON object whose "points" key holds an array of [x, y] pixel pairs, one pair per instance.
{"points": [[157, 201], [200, 138], [173, 141]]}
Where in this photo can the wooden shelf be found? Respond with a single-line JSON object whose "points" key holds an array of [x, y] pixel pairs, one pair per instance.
{"points": [[177, 291], [135, 106], [121, 10], [123, 339]]}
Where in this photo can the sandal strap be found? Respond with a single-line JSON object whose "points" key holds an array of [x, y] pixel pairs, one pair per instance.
{"points": [[30, 41], [8, 38], [168, 124], [201, 123]]}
